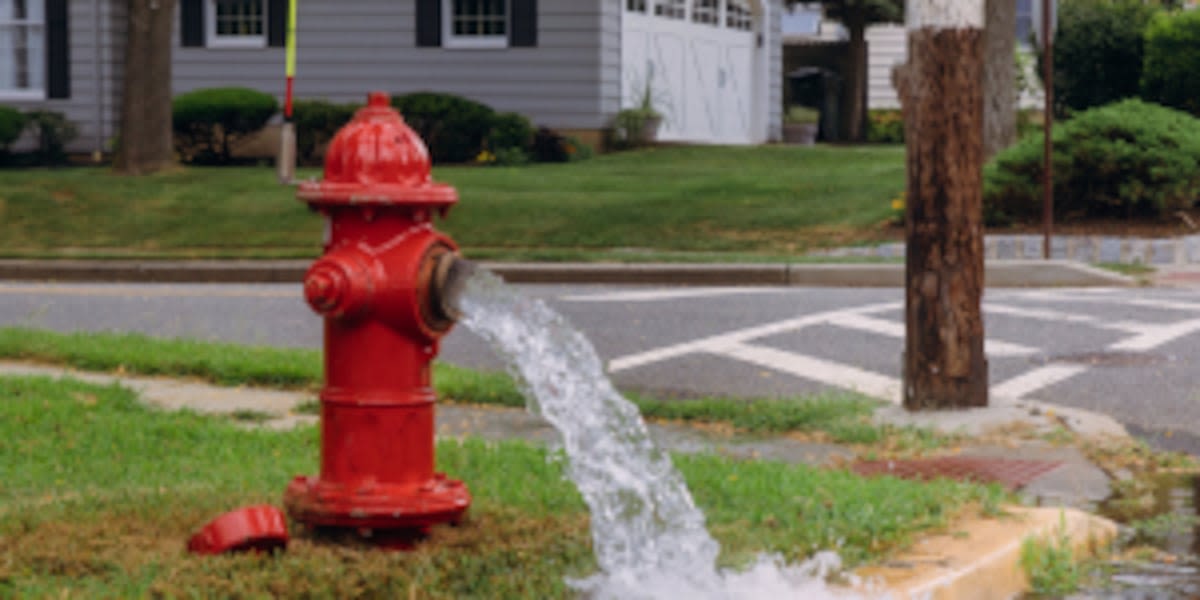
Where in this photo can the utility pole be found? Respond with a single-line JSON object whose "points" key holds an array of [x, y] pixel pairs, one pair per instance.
{"points": [[944, 363]]}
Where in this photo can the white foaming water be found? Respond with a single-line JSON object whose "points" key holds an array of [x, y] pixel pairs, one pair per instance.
{"points": [[649, 538]]}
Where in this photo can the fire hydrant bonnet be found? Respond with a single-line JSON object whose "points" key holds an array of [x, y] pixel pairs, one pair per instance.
{"points": [[378, 159]]}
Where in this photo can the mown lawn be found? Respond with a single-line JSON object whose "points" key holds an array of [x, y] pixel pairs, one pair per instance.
{"points": [[98, 495], [676, 203]]}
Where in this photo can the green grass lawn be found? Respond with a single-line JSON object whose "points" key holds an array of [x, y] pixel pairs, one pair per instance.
{"points": [[664, 203], [99, 493]]}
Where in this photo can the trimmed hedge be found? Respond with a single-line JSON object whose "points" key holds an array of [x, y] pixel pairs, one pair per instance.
{"points": [[208, 121], [52, 130], [1128, 159], [459, 130], [12, 123], [1098, 52], [1173, 61], [317, 121], [453, 127]]}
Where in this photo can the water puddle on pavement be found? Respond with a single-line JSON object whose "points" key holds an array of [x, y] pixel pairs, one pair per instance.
{"points": [[1158, 553]]}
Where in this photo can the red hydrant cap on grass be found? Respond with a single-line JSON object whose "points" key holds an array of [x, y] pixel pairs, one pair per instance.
{"points": [[377, 158], [261, 528]]}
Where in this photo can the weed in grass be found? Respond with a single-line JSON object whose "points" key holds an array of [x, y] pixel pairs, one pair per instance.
{"points": [[311, 406], [1156, 529], [246, 415], [1050, 564]]}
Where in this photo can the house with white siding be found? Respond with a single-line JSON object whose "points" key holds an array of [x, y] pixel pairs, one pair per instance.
{"points": [[713, 66]]}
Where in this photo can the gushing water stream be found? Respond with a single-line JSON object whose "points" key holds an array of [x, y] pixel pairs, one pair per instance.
{"points": [[649, 538]]}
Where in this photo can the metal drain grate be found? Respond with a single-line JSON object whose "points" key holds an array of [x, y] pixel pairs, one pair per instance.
{"points": [[1013, 474], [1107, 359]]}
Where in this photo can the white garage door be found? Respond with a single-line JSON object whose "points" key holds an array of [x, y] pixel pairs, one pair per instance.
{"points": [[700, 60]]}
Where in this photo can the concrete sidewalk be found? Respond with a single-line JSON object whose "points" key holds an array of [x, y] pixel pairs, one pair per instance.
{"points": [[999, 273]]}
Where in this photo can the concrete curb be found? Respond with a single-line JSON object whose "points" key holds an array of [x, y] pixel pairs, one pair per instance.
{"points": [[980, 558], [1008, 273]]}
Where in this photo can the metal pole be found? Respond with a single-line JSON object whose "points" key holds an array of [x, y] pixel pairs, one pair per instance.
{"points": [[286, 167], [1047, 129]]}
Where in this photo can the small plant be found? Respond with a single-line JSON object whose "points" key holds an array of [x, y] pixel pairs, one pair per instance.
{"points": [[12, 123], [638, 126], [208, 122], [53, 131], [511, 157], [1050, 564], [550, 146], [885, 126]]}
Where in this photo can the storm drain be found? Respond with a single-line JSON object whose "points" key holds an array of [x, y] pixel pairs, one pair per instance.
{"points": [[1106, 359], [1012, 474]]}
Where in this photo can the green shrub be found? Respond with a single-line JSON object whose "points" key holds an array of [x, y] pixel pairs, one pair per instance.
{"points": [[12, 123], [53, 131], [1173, 60], [317, 121], [510, 130], [1129, 159], [1097, 52], [454, 128], [207, 122], [885, 127], [577, 150]]}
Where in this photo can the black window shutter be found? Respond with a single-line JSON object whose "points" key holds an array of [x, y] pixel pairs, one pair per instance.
{"points": [[277, 20], [191, 23], [429, 23], [524, 27], [58, 50]]}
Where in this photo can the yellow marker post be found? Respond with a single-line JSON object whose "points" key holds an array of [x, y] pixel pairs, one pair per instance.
{"points": [[286, 164]]}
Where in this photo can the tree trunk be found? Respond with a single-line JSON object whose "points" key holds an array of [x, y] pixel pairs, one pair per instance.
{"points": [[854, 105], [999, 77], [944, 364], [145, 140]]}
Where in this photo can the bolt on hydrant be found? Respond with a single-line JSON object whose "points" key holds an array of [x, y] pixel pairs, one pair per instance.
{"points": [[387, 287]]}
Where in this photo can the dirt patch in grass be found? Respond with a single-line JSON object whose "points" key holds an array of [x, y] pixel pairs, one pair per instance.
{"points": [[494, 553]]}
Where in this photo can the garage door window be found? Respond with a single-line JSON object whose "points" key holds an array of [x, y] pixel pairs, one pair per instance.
{"points": [[707, 12], [738, 16], [671, 9]]}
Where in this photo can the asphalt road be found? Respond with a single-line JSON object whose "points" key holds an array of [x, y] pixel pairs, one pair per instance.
{"points": [[1130, 353]]}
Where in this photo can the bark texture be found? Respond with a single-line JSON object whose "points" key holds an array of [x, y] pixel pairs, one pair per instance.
{"points": [[145, 140], [999, 77], [944, 363]]}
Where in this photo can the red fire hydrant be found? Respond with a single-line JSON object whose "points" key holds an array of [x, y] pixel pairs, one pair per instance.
{"points": [[386, 287]]}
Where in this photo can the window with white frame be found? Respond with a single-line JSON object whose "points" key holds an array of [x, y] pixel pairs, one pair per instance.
{"points": [[707, 12], [738, 15], [237, 23], [671, 9], [22, 49], [475, 23], [635, 6]]}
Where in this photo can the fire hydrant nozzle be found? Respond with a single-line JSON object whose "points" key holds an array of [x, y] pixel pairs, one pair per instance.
{"points": [[388, 287]]}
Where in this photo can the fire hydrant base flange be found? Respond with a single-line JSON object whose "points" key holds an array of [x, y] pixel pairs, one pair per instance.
{"points": [[315, 502]]}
